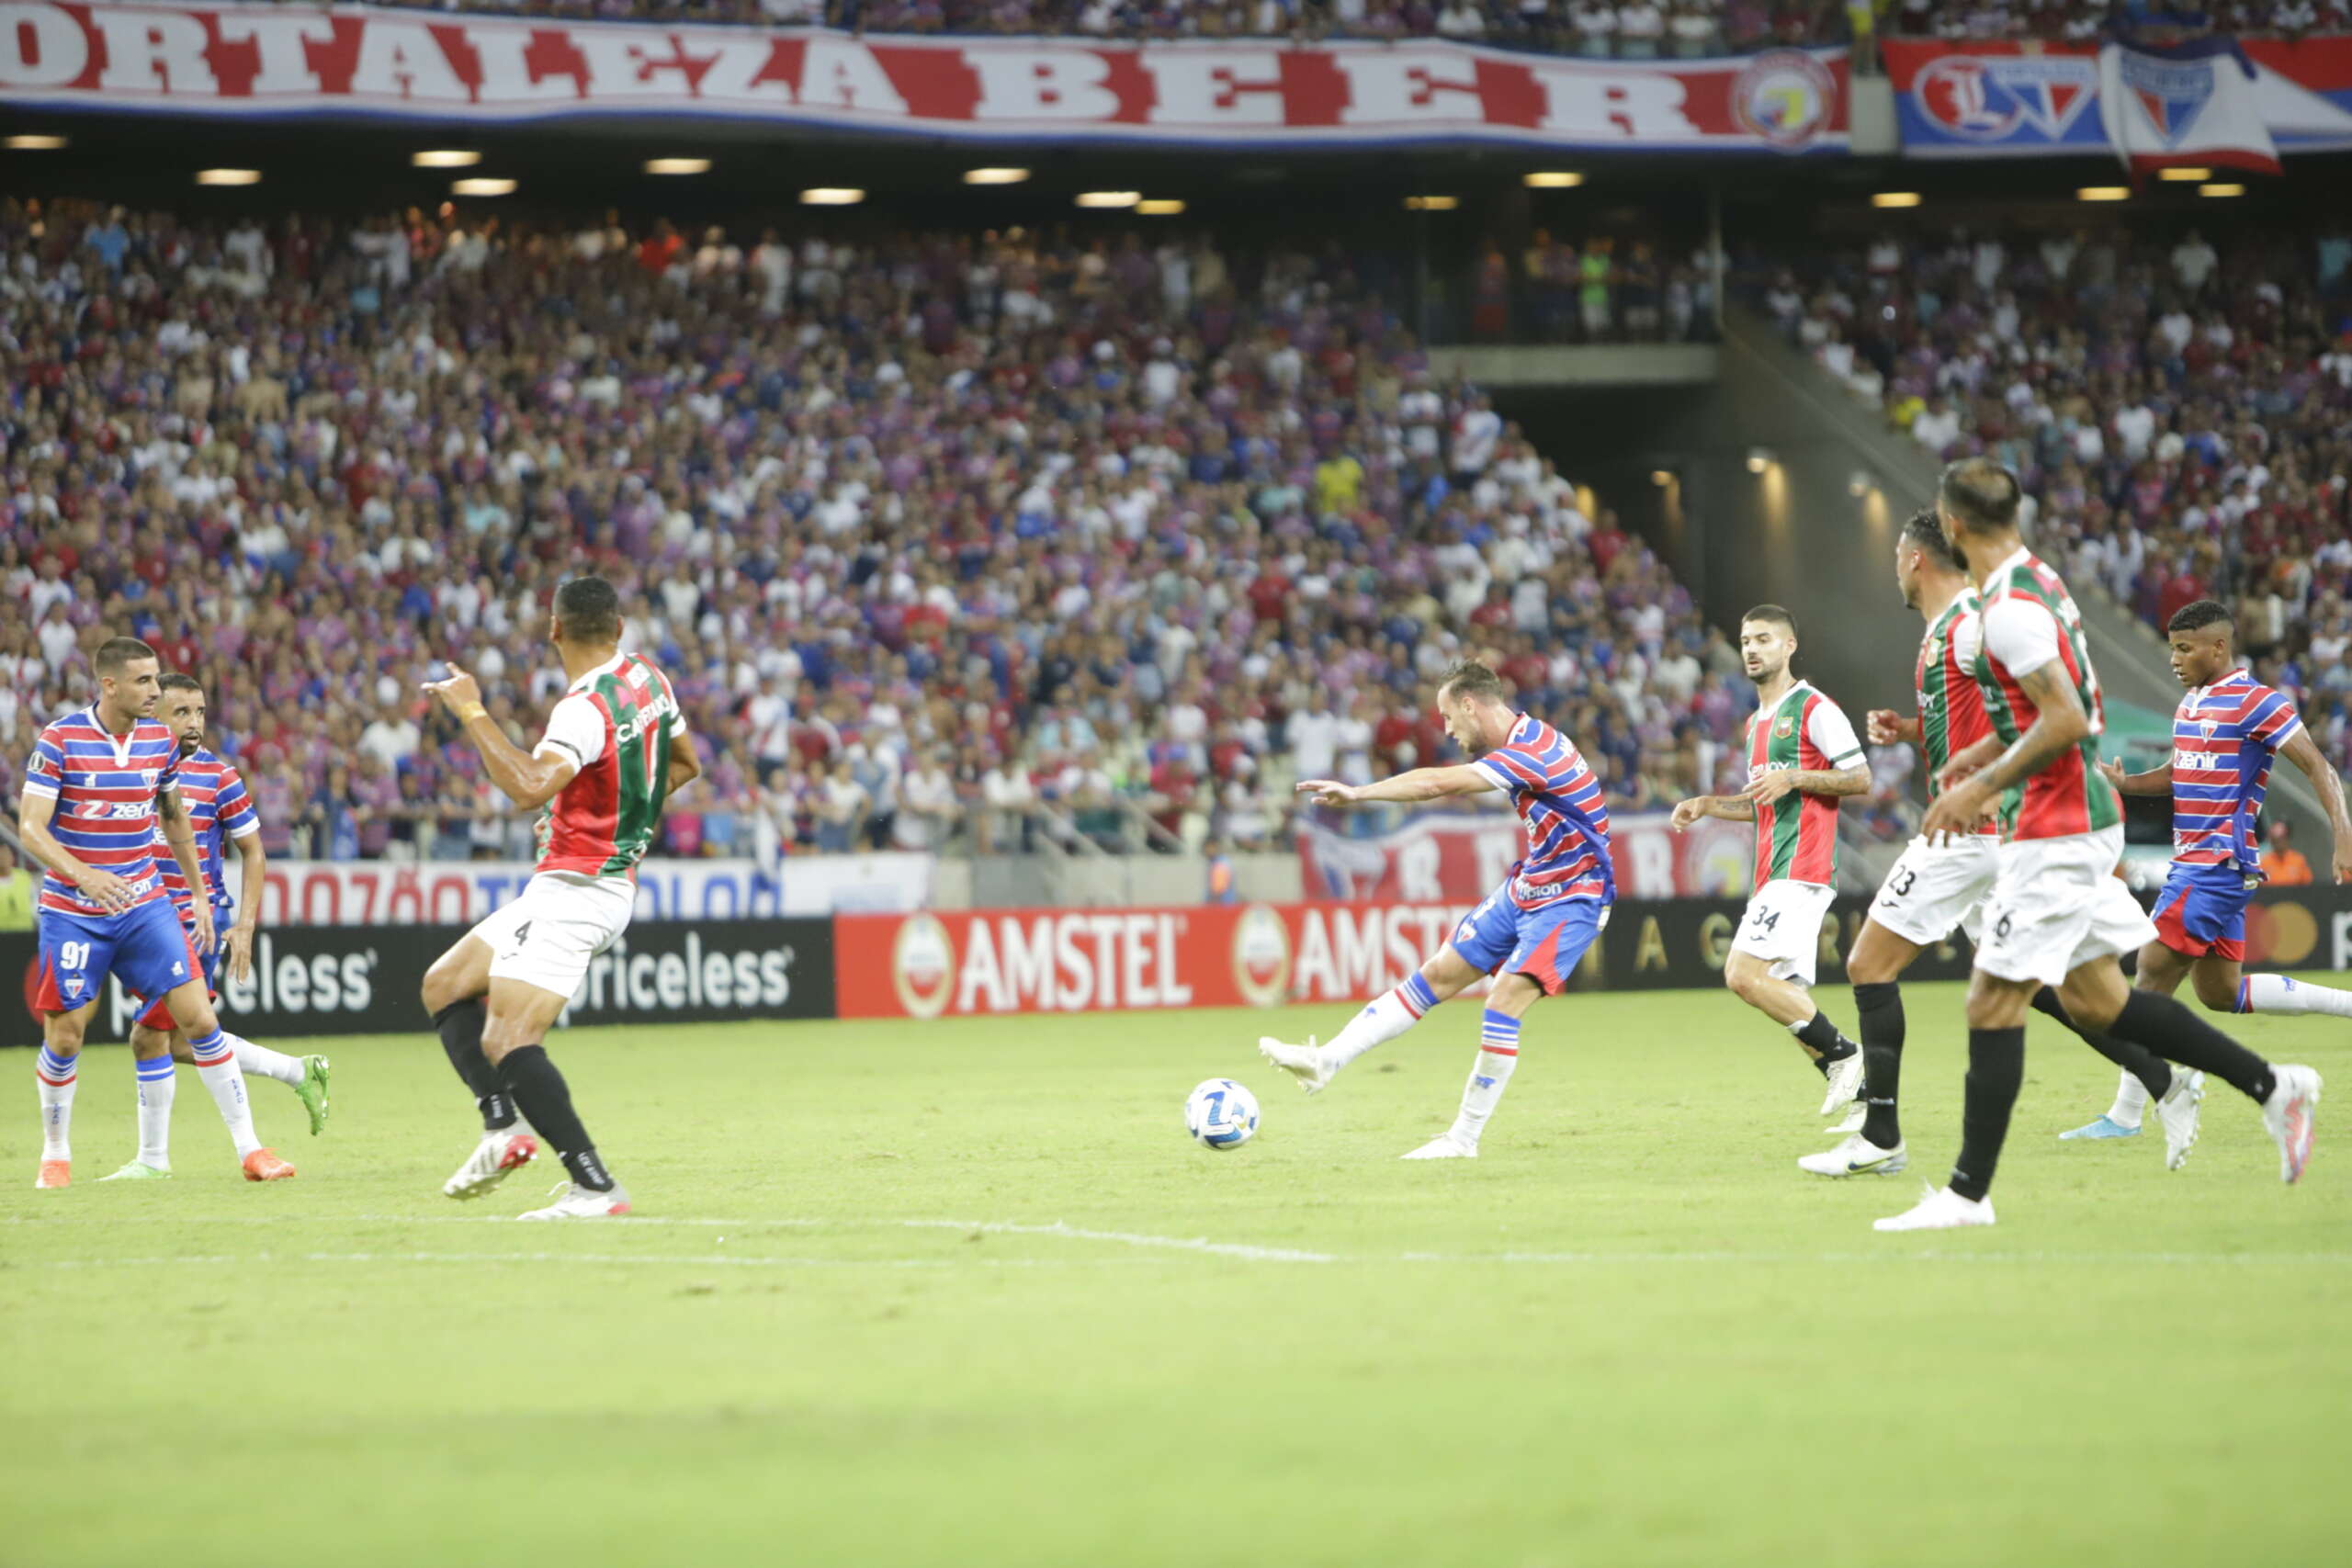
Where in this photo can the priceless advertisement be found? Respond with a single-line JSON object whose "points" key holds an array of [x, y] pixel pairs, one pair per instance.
{"points": [[355, 61]]}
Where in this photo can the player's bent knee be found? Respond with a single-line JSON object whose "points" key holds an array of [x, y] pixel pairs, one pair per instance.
{"points": [[149, 1044]]}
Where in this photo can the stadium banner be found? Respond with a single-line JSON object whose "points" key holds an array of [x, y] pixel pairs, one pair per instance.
{"points": [[349, 980], [2230, 102], [271, 59], [1461, 857], [377, 893]]}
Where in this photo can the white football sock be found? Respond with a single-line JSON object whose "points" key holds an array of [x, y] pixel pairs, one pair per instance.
{"points": [[2130, 1101], [1382, 1020], [2281, 993], [57, 1076], [261, 1061], [1497, 1057], [157, 1085], [216, 1064]]}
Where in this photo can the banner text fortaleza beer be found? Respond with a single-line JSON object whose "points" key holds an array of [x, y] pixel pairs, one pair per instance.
{"points": [[275, 59]]}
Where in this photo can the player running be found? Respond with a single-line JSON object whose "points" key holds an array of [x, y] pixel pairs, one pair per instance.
{"points": [[1531, 932], [215, 798], [615, 747], [2226, 733], [2058, 915], [1802, 760], [1938, 887], [102, 786]]}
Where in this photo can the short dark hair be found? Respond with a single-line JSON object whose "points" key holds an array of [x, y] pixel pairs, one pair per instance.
{"points": [[589, 610], [181, 681], [1980, 495], [118, 651], [1925, 534], [1773, 614], [2196, 617], [1468, 678]]}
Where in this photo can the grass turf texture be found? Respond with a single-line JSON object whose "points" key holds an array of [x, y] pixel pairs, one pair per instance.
{"points": [[1633, 1333]]}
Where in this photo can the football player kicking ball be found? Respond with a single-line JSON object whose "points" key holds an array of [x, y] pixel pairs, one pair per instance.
{"points": [[1935, 887], [614, 749], [1530, 932], [217, 804], [2057, 916], [1802, 760], [2226, 733]]}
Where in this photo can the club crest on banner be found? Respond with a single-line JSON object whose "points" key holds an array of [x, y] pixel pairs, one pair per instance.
{"points": [[1784, 97], [1985, 97], [2171, 95]]}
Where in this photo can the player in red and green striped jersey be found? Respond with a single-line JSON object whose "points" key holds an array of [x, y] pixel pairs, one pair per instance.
{"points": [[1803, 759], [2057, 915], [615, 747]]}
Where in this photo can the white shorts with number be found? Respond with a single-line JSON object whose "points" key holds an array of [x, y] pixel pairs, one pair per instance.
{"points": [[1783, 925], [559, 923], [1937, 886], [2058, 905]]}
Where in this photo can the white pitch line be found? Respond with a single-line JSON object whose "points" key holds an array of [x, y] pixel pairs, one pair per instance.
{"points": [[723, 1260]]}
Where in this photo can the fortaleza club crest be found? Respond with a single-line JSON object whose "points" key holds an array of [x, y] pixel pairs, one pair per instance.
{"points": [[2171, 95], [1784, 97], [1985, 97]]}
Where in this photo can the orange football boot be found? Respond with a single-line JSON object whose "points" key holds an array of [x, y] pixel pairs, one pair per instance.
{"points": [[263, 1165], [55, 1173]]}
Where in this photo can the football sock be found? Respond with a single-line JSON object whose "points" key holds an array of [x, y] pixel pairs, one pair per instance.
{"points": [[461, 1024], [57, 1075], [260, 1061], [2130, 1102], [1382, 1020], [2136, 1059], [538, 1090], [1879, 1015], [157, 1083], [1996, 1070], [1497, 1055], [216, 1064], [2168, 1028], [1822, 1041], [2278, 993]]}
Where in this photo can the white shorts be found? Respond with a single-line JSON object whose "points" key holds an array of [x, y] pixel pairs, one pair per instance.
{"points": [[1937, 886], [1783, 925], [2057, 905], [559, 923]]}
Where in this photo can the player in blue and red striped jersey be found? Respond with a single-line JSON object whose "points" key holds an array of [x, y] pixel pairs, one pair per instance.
{"points": [[101, 784], [2225, 735], [217, 806], [1529, 934]]}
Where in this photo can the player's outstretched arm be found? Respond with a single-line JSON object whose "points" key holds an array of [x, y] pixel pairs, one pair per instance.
{"points": [[1885, 726], [685, 766], [252, 875], [1421, 784], [2155, 781], [1728, 807], [529, 781], [2305, 754], [34, 812], [2059, 722]]}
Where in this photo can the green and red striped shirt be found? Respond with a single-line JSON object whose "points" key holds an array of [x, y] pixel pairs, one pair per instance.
{"points": [[2032, 621], [616, 722], [1797, 836], [1951, 709]]}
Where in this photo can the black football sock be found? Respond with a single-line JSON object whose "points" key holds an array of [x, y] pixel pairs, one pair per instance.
{"points": [[540, 1090], [1879, 1015], [1818, 1034], [460, 1026], [2166, 1027], [1996, 1070], [2154, 1073]]}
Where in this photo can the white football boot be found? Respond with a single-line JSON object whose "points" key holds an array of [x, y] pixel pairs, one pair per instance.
{"points": [[2177, 1113], [499, 1153], [1857, 1157], [1306, 1063], [2287, 1113], [580, 1203], [1449, 1147], [1845, 1084], [1941, 1210]]}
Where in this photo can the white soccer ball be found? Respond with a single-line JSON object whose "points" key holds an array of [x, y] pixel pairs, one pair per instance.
{"points": [[1222, 1114]]}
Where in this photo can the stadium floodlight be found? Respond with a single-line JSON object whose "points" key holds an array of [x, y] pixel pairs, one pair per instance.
{"points": [[1110, 197], [489, 184], [995, 176], [2223, 189], [1431, 203], [1661, 478], [2185, 175], [2104, 193], [1861, 483], [444, 158], [1553, 179], [228, 177], [677, 165], [1759, 460], [1896, 198], [31, 142], [832, 195], [1160, 207]]}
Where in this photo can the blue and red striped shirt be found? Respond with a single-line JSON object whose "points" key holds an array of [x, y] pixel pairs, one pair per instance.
{"points": [[2223, 738], [213, 794], [1567, 821], [105, 786]]}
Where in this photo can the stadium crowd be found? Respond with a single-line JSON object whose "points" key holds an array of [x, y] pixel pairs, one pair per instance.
{"points": [[2180, 410], [946, 539]]}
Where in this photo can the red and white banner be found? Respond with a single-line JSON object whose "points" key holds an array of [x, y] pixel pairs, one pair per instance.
{"points": [[1461, 858], [272, 59], [396, 892]]}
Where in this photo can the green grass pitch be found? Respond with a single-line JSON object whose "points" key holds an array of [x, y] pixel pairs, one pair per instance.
{"points": [[963, 1292]]}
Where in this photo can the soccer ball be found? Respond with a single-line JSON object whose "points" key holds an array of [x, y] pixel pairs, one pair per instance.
{"points": [[1222, 1114]]}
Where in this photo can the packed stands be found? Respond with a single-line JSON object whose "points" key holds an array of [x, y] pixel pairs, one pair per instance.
{"points": [[949, 540]]}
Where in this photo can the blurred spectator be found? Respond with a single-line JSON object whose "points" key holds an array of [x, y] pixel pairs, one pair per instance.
{"points": [[2283, 865]]}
